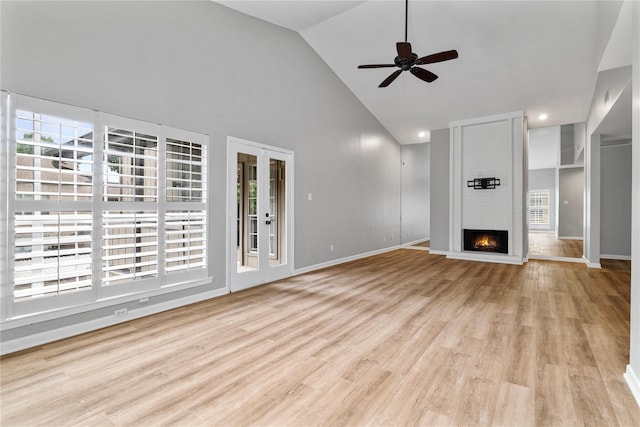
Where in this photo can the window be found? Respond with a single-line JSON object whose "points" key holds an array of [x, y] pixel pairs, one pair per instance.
{"points": [[99, 206], [186, 215], [539, 207]]}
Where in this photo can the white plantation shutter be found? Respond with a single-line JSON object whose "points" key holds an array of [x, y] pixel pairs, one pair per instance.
{"points": [[131, 166], [52, 253], [51, 186], [186, 207], [53, 158], [98, 206], [129, 246], [539, 207], [185, 240], [185, 168]]}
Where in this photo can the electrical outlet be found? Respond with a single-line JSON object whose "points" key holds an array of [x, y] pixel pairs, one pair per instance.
{"points": [[331, 248], [121, 312]]}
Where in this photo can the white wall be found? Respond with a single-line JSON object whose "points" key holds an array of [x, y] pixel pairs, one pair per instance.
{"points": [[579, 139], [544, 147], [633, 369], [488, 147], [415, 209], [203, 67], [610, 85]]}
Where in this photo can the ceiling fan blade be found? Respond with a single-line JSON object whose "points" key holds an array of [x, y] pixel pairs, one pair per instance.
{"points": [[391, 78], [377, 66], [423, 74], [404, 49], [438, 57]]}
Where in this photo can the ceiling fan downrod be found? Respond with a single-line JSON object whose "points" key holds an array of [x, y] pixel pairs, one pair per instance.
{"points": [[406, 18]]}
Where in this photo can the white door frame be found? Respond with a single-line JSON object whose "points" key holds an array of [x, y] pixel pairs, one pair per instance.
{"points": [[238, 281]]}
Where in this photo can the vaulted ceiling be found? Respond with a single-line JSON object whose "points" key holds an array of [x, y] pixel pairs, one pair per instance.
{"points": [[535, 56]]}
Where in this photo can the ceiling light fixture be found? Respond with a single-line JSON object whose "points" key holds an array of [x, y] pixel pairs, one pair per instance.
{"points": [[422, 134], [543, 116]]}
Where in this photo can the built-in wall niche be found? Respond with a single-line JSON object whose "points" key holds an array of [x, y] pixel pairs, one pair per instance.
{"points": [[485, 149]]}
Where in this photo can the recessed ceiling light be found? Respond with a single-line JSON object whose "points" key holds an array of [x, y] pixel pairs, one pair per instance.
{"points": [[422, 134], [543, 116]]}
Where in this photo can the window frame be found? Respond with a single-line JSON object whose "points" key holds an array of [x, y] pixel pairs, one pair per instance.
{"points": [[51, 306]]}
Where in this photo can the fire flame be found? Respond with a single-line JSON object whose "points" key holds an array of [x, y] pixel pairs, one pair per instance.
{"points": [[484, 241]]}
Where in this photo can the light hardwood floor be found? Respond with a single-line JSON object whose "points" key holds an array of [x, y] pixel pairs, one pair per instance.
{"points": [[546, 244], [424, 244], [402, 338]]}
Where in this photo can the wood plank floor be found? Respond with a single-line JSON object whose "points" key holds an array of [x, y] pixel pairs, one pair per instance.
{"points": [[423, 244], [547, 244], [402, 338]]}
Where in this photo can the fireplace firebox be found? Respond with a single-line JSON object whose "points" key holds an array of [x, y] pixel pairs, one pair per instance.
{"points": [[486, 241]]}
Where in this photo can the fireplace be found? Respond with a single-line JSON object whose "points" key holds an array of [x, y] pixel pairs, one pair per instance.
{"points": [[486, 241]]}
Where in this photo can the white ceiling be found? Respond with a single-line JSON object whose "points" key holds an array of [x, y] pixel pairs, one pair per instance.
{"points": [[534, 56], [295, 15]]}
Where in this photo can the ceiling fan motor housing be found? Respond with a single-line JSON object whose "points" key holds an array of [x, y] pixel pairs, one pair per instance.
{"points": [[406, 63]]}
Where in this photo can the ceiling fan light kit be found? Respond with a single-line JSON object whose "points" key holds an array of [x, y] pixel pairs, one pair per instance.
{"points": [[409, 61]]}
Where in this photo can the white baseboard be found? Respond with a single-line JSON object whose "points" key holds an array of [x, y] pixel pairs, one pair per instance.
{"points": [[495, 258], [416, 248], [620, 257], [416, 241], [570, 238], [92, 325], [633, 383], [438, 252], [590, 264], [557, 258], [331, 263]]}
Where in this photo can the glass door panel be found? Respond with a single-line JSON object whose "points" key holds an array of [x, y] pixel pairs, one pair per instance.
{"points": [[247, 213], [277, 212]]}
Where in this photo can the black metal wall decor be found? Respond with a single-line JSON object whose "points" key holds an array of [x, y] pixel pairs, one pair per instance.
{"points": [[483, 183]]}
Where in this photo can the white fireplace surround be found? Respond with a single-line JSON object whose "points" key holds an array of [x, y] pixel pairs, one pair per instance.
{"points": [[488, 147]]}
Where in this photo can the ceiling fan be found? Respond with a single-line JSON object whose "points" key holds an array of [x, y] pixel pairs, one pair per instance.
{"points": [[407, 60]]}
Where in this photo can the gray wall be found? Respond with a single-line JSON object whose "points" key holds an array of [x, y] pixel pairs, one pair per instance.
{"points": [[206, 68], [615, 206], [545, 179], [203, 67], [612, 83], [415, 192], [439, 165], [571, 199], [567, 145]]}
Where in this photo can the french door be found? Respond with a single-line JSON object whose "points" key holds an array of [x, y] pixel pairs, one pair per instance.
{"points": [[259, 205]]}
